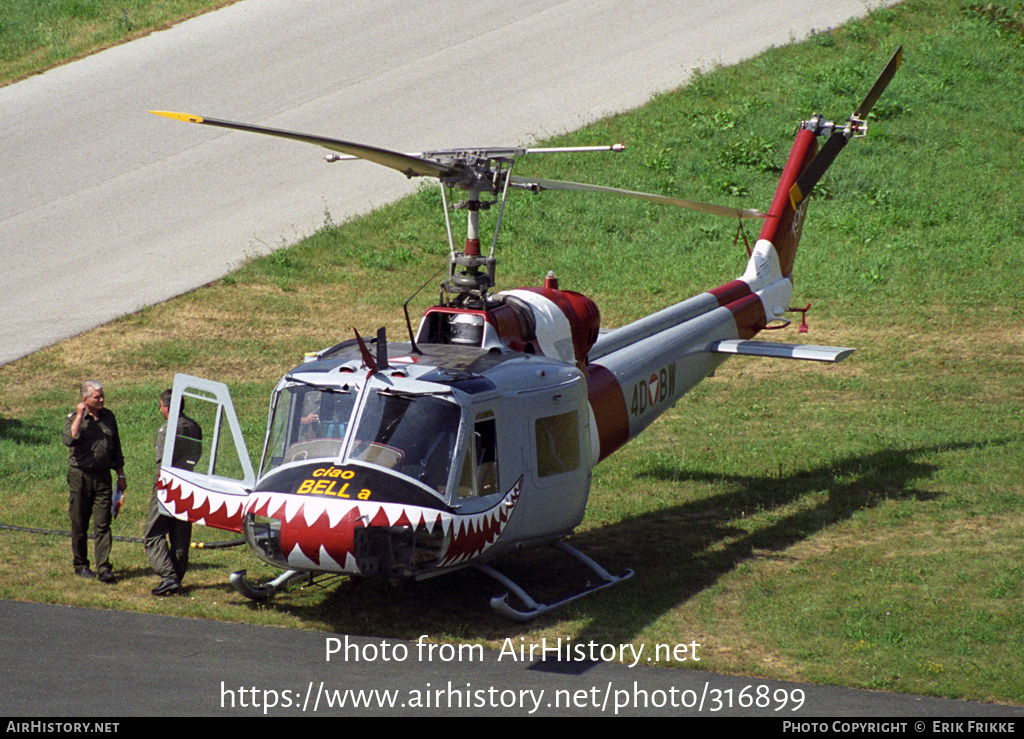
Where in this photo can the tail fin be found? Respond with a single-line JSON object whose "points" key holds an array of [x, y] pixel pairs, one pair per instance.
{"points": [[785, 219]]}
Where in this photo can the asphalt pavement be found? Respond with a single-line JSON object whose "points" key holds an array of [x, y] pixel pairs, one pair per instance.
{"points": [[60, 661]]}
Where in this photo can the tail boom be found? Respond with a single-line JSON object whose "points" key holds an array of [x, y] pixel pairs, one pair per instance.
{"points": [[640, 370]]}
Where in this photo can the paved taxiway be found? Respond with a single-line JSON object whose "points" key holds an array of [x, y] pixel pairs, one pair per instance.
{"points": [[105, 208], [76, 662]]}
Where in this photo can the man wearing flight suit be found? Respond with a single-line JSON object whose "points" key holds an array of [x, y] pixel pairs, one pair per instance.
{"points": [[95, 449], [167, 539]]}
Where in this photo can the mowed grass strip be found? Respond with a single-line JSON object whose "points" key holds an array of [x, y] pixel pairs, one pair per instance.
{"points": [[857, 525], [36, 35]]}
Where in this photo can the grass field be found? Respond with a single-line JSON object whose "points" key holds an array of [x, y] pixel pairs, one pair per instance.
{"points": [[38, 34], [855, 525]]}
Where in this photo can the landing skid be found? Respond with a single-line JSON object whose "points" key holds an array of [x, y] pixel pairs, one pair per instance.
{"points": [[535, 609], [265, 591]]}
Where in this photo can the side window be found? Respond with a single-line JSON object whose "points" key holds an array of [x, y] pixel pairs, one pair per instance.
{"points": [[480, 467], [558, 444]]}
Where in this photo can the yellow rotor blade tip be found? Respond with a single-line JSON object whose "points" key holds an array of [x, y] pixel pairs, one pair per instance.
{"points": [[185, 117]]}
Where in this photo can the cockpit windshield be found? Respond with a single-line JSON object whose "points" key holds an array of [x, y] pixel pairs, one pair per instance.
{"points": [[412, 434], [309, 422]]}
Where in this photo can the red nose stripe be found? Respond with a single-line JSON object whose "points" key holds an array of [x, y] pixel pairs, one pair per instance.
{"points": [[337, 541]]}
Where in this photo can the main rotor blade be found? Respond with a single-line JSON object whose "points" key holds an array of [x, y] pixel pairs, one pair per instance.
{"points": [[880, 84], [717, 210], [408, 165]]}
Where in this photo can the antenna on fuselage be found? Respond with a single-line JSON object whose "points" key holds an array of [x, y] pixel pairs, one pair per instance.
{"points": [[368, 360], [405, 310], [382, 349]]}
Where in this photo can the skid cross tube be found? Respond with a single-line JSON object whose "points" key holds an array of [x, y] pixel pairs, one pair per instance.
{"points": [[535, 609]]}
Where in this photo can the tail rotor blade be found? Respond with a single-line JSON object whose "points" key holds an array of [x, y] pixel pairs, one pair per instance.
{"points": [[880, 84], [855, 126]]}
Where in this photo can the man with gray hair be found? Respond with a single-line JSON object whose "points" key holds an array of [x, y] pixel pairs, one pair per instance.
{"points": [[95, 449]]}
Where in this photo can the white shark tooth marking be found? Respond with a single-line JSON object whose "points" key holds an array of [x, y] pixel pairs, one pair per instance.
{"points": [[337, 511], [292, 505], [216, 503], [298, 558], [171, 505], [254, 502], [327, 562], [233, 506], [313, 509], [275, 508], [394, 513], [276, 505], [389, 513], [198, 496], [350, 563], [369, 512]]}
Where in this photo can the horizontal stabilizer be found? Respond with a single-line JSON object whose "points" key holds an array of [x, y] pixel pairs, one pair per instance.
{"points": [[781, 351]]}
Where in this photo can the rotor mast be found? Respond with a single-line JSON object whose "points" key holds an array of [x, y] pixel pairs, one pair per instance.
{"points": [[492, 168], [477, 277]]}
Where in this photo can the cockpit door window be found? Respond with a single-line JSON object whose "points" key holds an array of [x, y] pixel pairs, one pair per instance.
{"points": [[480, 464], [206, 446]]}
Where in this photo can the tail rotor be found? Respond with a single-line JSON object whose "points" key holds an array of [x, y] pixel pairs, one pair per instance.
{"points": [[856, 125]]}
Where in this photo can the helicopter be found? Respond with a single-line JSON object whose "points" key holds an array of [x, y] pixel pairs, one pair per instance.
{"points": [[477, 437]]}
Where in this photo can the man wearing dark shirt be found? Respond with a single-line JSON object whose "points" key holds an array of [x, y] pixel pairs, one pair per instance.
{"points": [[91, 435], [167, 539]]}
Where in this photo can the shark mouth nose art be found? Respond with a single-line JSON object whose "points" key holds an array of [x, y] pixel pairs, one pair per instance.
{"points": [[190, 502], [360, 537]]}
